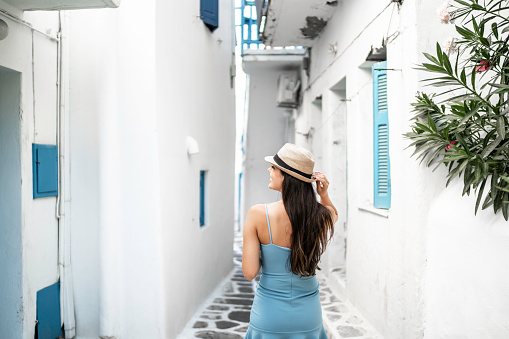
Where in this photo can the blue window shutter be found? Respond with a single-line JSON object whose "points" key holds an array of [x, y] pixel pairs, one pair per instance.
{"points": [[202, 198], [209, 12], [382, 169], [45, 170], [48, 312]]}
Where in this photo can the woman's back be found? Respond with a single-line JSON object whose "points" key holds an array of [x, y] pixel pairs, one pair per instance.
{"points": [[287, 305]]}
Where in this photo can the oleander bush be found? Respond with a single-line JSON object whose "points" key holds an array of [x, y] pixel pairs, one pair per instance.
{"points": [[465, 126]]}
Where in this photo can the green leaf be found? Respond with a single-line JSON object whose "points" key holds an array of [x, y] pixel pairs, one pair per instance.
{"points": [[501, 127], [479, 195], [506, 179], [431, 58], [463, 77], [439, 53], [494, 29], [491, 147], [434, 68]]}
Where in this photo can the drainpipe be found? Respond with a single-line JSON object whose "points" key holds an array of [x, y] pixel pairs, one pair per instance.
{"points": [[64, 249]]}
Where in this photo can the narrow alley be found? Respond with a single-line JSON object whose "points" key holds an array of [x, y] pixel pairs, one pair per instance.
{"points": [[133, 137]]}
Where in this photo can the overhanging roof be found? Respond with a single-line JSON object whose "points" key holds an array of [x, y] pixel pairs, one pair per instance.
{"points": [[47, 5], [296, 22]]}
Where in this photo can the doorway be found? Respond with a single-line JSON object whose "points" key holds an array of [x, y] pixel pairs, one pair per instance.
{"points": [[11, 293]]}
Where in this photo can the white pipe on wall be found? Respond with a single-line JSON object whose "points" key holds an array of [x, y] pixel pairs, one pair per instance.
{"points": [[64, 243]]}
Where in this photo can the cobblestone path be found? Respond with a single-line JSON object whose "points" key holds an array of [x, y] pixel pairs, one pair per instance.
{"points": [[225, 315]]}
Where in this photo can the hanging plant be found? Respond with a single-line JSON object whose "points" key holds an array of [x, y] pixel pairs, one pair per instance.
{"points": [[466, 127]]}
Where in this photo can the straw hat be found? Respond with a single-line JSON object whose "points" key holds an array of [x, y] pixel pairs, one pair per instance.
{"points": [[294, 160]]}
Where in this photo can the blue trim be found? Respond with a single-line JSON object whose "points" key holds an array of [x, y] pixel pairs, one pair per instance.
{"points": [[209, 11], [48, 312], [202, 198], [248, 23], [45, 170], [381, 162]]}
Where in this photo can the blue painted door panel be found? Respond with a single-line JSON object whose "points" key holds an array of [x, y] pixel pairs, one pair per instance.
{"points": [[48, 312]]}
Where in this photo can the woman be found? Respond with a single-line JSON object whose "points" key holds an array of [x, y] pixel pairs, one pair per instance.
{"points": [[286, 238]]}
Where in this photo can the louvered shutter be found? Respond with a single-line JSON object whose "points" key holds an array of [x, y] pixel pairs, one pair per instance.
{"points": [[202, 198], [382, 169], [209, 11]]}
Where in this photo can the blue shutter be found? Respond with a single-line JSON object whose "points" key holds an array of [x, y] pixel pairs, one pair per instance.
{"points": [[209, 12], [202, 198], [45, 170], [382, 169], [48, 312]]}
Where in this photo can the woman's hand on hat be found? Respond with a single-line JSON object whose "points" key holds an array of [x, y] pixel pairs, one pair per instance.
{"points": [[322, 184]]}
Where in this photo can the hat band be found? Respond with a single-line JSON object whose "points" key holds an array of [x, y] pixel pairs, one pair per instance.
{"points": [[283, 164]]}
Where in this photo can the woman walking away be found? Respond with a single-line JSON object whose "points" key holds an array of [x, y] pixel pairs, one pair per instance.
{"points": [[287, 238]]}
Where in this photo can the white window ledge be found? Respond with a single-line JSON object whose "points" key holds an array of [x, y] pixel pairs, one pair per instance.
{"points": [[372, 209]]}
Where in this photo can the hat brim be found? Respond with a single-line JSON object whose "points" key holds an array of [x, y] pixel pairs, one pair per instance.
{"points": [[270, 159]]}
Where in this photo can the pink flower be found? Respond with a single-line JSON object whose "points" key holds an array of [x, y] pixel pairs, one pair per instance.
{"points": [[483, 66], [449, 146], [444, 14], [451, 46]]}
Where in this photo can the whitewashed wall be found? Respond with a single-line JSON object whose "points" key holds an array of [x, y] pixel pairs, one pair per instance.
{"points": [[143, 78], [428, 267], [28, 78], [267, 129]]}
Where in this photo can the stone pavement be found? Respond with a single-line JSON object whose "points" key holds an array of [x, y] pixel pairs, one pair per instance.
{"points": [[225, 315]]}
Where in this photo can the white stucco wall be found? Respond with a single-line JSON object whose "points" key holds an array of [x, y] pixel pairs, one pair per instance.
{"points": [[11, 299], [427, 267], [139, 87], [32, 56], [267, 124]]}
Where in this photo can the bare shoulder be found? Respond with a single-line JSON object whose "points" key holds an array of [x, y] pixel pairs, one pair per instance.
{"points": [[256, 212]]}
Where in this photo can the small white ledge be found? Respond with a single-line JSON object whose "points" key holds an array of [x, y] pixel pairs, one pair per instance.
{"points": [[372, 209]]}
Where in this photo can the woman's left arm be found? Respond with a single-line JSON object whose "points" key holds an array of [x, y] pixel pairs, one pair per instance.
{"points": [[251, 247]]}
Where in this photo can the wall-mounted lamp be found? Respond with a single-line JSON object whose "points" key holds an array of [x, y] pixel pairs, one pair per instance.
{"points": [[192, 146], [4, 29], [377, 54]]}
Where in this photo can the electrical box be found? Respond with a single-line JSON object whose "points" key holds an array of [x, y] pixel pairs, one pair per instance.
{"points": [[45, 170], [288, 90]]}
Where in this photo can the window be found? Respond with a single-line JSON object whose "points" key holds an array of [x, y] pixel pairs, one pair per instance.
{"points": [[203, 186], [45, 170], [209, 12], [381, 170]]}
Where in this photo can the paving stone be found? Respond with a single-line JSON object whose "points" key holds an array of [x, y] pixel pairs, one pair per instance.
{"points": [[333, 317], [354, 320], [216, 335], [211, 316], [239, 316], [218, 308], [225, 324], [228, 287], [349, 331], [200, 324], [233, 301], [334, 309], [246, 289], [239, 295]]}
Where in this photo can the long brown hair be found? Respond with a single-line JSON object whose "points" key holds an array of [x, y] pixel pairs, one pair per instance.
{"points": [[312, 225]]}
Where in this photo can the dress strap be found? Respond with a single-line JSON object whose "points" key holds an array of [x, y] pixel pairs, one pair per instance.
{"points": [[268, 223]]}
